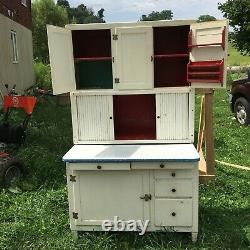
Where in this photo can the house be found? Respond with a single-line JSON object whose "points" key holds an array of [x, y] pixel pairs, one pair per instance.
{"points": [[16, 51]]}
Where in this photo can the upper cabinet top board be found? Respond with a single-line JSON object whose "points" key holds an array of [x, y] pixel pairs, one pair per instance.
{"points": [[138, 56]]}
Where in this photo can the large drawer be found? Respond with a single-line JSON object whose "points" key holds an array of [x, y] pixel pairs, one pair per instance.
{"points": [[162, 165], [173, 212], [173, 188], [100, 166]]}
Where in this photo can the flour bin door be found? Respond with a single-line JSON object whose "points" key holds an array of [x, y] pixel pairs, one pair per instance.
{"points": [[61, 60]]}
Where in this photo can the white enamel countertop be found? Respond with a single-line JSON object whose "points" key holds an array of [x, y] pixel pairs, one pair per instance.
{"points": [[136, 153]]}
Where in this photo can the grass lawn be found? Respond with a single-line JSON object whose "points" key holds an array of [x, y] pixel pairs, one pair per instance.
{"points": [[236, 59], [38, 217]]}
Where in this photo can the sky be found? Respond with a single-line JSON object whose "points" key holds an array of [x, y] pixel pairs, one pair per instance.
{"points": [[131, 10]]}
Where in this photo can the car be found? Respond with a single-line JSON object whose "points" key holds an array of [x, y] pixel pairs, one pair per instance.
{"points": [[239, 99]]}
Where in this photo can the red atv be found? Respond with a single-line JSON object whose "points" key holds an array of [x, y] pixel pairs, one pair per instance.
{"points": [[10, 166]]}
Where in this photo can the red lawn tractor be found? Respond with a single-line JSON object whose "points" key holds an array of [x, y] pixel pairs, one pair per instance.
{"points": [[10, 134]]}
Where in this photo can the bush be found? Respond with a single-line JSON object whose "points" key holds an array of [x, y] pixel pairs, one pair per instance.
{"points": [[43, 75]]}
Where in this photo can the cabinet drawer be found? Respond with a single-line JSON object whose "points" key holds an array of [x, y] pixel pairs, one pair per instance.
{"points": [[174, 174], [174, 212], [100, 166], [173, 188], [162, 165]]}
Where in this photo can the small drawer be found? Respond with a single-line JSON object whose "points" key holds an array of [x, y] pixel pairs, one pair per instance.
{"points": [[174, 174], [173, 212], [173, 188], [100, 166], [162, 165]]}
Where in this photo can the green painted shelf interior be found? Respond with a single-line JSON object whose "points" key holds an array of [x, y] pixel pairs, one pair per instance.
{"points": [[94, 74]]}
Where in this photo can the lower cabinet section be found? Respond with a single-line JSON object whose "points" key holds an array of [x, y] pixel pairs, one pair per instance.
{"points": [[159, 198]]}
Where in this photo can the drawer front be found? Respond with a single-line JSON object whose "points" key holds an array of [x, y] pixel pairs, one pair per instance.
{"points": [[100, 166], [173, 188], [173, 212], [162, 165], [174, 174]]}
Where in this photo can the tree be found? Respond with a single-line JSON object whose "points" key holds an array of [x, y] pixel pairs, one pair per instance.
{"points": [[206, 18], [45, 12], [238, 13], [156, 15], [82, 14]]}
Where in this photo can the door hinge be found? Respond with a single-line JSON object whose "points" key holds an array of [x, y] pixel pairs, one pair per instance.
{"points": [[115, 37], [117, 80], [72, 178], [75, 215], [146, 197]]}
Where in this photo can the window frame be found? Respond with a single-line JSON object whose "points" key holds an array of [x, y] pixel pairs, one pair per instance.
{"points": [[14, 47]]}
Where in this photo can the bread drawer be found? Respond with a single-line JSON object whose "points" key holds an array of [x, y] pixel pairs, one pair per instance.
{"points": [[174, 174], [173, 188], [100, 166], [173, 212], [162, 165]]}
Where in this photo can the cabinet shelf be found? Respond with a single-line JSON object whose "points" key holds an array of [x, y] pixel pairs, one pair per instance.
{"points": [[166, 56], [90, 59], [205, 71]]}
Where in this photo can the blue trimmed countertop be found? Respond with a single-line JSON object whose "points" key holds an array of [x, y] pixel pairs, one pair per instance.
{"points": [[132, 153]]}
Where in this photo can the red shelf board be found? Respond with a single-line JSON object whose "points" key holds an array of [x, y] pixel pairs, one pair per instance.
{"points": [[107, 58], [203, 73]]}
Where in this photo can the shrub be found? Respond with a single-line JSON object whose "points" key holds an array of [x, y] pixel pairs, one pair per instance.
{"points": [[43, 75]]}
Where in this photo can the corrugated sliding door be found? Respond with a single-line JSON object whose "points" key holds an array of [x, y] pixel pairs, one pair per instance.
{"points": [[172, 121], [94, 118]]}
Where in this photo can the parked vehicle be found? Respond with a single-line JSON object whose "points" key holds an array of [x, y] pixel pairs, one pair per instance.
{"points": [[239, 99]]}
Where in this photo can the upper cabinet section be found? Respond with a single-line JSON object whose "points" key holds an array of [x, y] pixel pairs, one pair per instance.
{"points": [[208, 53], [133, 58], [61, 60], [138, 56]]}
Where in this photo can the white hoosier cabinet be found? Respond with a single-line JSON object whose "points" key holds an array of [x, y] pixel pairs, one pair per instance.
{"points": [[132, 96]]}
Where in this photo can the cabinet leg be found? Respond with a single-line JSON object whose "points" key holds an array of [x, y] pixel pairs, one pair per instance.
{"points": [[194, 237], [75, 235]]}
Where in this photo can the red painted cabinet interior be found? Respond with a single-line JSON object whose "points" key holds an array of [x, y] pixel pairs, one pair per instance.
{"points": [[171, 56], [134, 117]]}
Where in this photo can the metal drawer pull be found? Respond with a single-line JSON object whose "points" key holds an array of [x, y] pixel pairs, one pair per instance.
{"points": [[162, 166], [173, 174], [146, 197], [99, 167], [173, 214], [173, 190]]}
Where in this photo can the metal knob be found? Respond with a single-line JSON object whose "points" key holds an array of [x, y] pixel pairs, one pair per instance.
{"points": [[162, 166], [173, 190], [173, 214], [99, 167], [173, 174]]}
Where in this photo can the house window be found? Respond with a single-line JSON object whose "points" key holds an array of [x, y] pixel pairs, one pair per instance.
{"points": [[24, 2], [14, 46]]}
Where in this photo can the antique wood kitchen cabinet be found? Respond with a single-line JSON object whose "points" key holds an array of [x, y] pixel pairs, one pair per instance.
{"points": [[132, 89], [133, 182]]}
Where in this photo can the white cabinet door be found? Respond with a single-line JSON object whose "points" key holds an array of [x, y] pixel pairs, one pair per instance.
{"points": [[61, 60], [172, 111], [92, 117], [101, 195], [208, 54], [133, 61]]}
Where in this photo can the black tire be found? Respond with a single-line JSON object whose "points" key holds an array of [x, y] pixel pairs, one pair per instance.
{"points": [[11, 170], [242, 111]]}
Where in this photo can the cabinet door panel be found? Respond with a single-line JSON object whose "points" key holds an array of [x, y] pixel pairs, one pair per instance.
{"points": [[172, 116], [61, 60], [103, 195], [94, 118], [133, 58]]}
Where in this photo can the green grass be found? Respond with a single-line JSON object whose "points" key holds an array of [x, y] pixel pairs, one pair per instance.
{"points": [[236, 59], [38, 217]]}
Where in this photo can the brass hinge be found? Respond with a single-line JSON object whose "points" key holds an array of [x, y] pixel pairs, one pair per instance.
{"points": [[75, 215], [72, 178], [115, 37], [117, 80]]}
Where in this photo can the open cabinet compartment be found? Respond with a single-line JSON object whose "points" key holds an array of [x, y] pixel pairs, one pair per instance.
{"points": [[93, 59], [134, 117], [206, 71], [171, 56]]}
